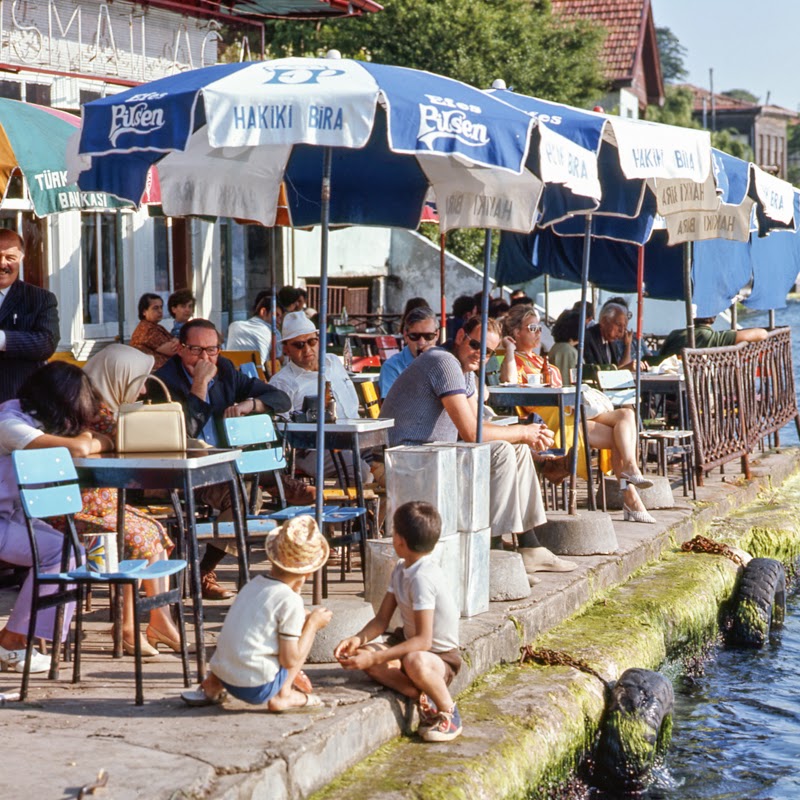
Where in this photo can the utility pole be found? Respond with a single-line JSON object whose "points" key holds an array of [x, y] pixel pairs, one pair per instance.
{"points": [[713, 100]]}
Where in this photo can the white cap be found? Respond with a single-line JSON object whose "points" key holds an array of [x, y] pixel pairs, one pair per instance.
{"points": [[296, 323]]}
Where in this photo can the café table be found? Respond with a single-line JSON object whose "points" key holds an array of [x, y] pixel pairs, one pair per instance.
{"points": [[186, 471], [364, 377], [510, 395], [669, 385], [354, 435]]}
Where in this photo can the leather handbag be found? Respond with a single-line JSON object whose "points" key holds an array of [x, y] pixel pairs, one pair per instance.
{"points": [[146, 427]]}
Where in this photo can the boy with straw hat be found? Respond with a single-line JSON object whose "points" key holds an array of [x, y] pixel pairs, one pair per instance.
{"points": [[267, 636]]}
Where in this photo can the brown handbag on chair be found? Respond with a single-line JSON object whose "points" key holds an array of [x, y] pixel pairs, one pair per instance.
{"points": [[145, 427]]}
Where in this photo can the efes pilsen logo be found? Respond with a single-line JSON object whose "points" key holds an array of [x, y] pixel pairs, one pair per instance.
{"points": [[446, 118], [135, 116]]}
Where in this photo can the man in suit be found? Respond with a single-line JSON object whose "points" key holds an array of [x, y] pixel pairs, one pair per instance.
{"points": [[28, 319], [210, 388], [600, 344]]}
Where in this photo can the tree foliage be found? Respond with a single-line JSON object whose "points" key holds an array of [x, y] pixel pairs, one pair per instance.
{"points": [[672, 54], [475, 42], [741, 94]]}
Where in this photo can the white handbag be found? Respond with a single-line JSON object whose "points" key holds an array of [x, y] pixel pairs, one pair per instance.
{"points": [[146, 427]]}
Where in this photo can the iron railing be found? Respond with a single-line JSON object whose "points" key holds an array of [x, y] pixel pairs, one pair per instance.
{"points": [[737, 396]]}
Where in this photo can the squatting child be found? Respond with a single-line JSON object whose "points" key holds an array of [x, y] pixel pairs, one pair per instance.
{"points": [[420, 659], [267, 635]]}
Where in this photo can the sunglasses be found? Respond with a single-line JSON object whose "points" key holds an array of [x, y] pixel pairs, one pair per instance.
{"points": [[476, 345], [428, 337], [196, 350], [313, 342], [535, 327]]}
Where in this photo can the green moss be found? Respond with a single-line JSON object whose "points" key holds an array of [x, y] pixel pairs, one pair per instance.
{"points": [[751, 622], [529, 726]]}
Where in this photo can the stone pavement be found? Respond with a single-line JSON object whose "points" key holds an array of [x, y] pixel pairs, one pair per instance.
{"points": [[63, 735]]}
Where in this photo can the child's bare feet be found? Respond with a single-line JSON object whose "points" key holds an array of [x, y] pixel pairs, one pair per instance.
{"points": [[283, 701]]}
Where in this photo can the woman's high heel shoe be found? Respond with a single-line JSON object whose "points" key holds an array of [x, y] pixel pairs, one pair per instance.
{"points": [[637, 479], [155, 638], [629, 515], [148, 651]]}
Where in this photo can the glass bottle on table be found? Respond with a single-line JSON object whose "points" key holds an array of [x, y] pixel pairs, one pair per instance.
{"points": [[347, 354], [545, 371], [330, 403]]}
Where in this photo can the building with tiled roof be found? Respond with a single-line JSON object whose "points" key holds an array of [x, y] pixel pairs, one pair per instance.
{"points": [[763, 127], [630, 51]]}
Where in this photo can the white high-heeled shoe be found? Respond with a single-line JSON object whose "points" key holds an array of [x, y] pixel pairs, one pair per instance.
{"points": [[629, 515], [637, 479]]}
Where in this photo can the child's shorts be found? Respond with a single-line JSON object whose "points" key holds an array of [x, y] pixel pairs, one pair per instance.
{"points": [[258, 695], [451, 658]]}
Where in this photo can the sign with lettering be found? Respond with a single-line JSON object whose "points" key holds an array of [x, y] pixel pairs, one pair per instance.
{"points": [[119, 39], [728, 222], [563, 161], [649, 150], [677, 195], [776, 196]]}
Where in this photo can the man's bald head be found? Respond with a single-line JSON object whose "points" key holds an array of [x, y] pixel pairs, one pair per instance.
{"points": [[12, 249]]}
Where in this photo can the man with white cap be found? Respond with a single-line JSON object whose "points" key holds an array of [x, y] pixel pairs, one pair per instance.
{"points": [[300, 339]]}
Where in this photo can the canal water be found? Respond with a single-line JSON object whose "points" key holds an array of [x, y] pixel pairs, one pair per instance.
{"points": [[736, 733]]}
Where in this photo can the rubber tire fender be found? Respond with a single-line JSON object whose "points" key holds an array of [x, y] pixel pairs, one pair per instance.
{"points": [[760, 603], [635, 730]]}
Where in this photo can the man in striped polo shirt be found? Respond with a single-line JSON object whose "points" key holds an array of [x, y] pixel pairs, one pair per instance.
{"points": [[434, 400]]}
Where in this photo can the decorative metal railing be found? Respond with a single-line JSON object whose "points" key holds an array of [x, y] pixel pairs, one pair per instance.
{"points": [[738, 396]]}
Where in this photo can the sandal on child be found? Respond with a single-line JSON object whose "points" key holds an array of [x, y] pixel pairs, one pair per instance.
{"points": [[197, 698]]}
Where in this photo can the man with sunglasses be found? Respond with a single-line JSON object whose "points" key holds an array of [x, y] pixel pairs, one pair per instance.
{"points": [[210, 388], [435, 400], [298, 379], [420, 331]]}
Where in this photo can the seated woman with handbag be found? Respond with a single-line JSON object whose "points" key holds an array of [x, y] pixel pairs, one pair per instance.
{"points": [[117, 374], [54, 408], [609, 428]]}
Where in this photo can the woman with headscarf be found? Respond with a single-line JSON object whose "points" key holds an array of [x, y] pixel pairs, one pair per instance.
{"points": [[117, 376], [610, 430]]}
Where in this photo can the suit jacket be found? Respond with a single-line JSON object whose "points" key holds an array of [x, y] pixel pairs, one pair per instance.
{"points": [[595, 352], [230, 386], [29, 318]]}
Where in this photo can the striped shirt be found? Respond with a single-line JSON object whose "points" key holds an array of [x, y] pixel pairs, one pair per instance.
{"points": [[415, 399]]}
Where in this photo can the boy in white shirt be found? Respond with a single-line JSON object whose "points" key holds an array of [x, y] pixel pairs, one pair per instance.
{"points": [[267, 635], [420, 659]]}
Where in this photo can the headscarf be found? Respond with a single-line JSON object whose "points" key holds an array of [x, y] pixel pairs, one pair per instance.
{"points": [[112, 370]]}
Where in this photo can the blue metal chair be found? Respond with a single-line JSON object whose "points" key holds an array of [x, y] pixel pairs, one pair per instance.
{"points": [[48, 487], [255, 436]]}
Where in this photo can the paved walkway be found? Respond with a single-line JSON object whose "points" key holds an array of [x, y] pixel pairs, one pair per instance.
{"points": [[59, 740]]}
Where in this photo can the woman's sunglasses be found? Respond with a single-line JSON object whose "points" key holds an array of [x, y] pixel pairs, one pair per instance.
{"points": [[428, 337], [476, 345], [535, 327]]}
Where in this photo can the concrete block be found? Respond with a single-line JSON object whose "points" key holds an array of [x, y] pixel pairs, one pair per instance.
{"points": [[424, 472], [350, 615], [381, 559], [507, 577], [475, 549], [585, 534], [659, 495], [447, 554], [473, 468]]}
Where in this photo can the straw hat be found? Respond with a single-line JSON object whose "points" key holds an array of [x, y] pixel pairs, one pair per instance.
{"points": [[297, 546], [296, 324]]}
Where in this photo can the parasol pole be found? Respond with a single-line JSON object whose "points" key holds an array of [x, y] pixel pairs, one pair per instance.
{"points": [[487, 262], [573, 462], [442, 330], [687, 294], [273, 348], [639, 323], [323, 346]]}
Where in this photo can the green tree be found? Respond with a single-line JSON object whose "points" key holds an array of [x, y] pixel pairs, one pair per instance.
{"points": [[475, 42], [672, 54], [741, 94]]}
